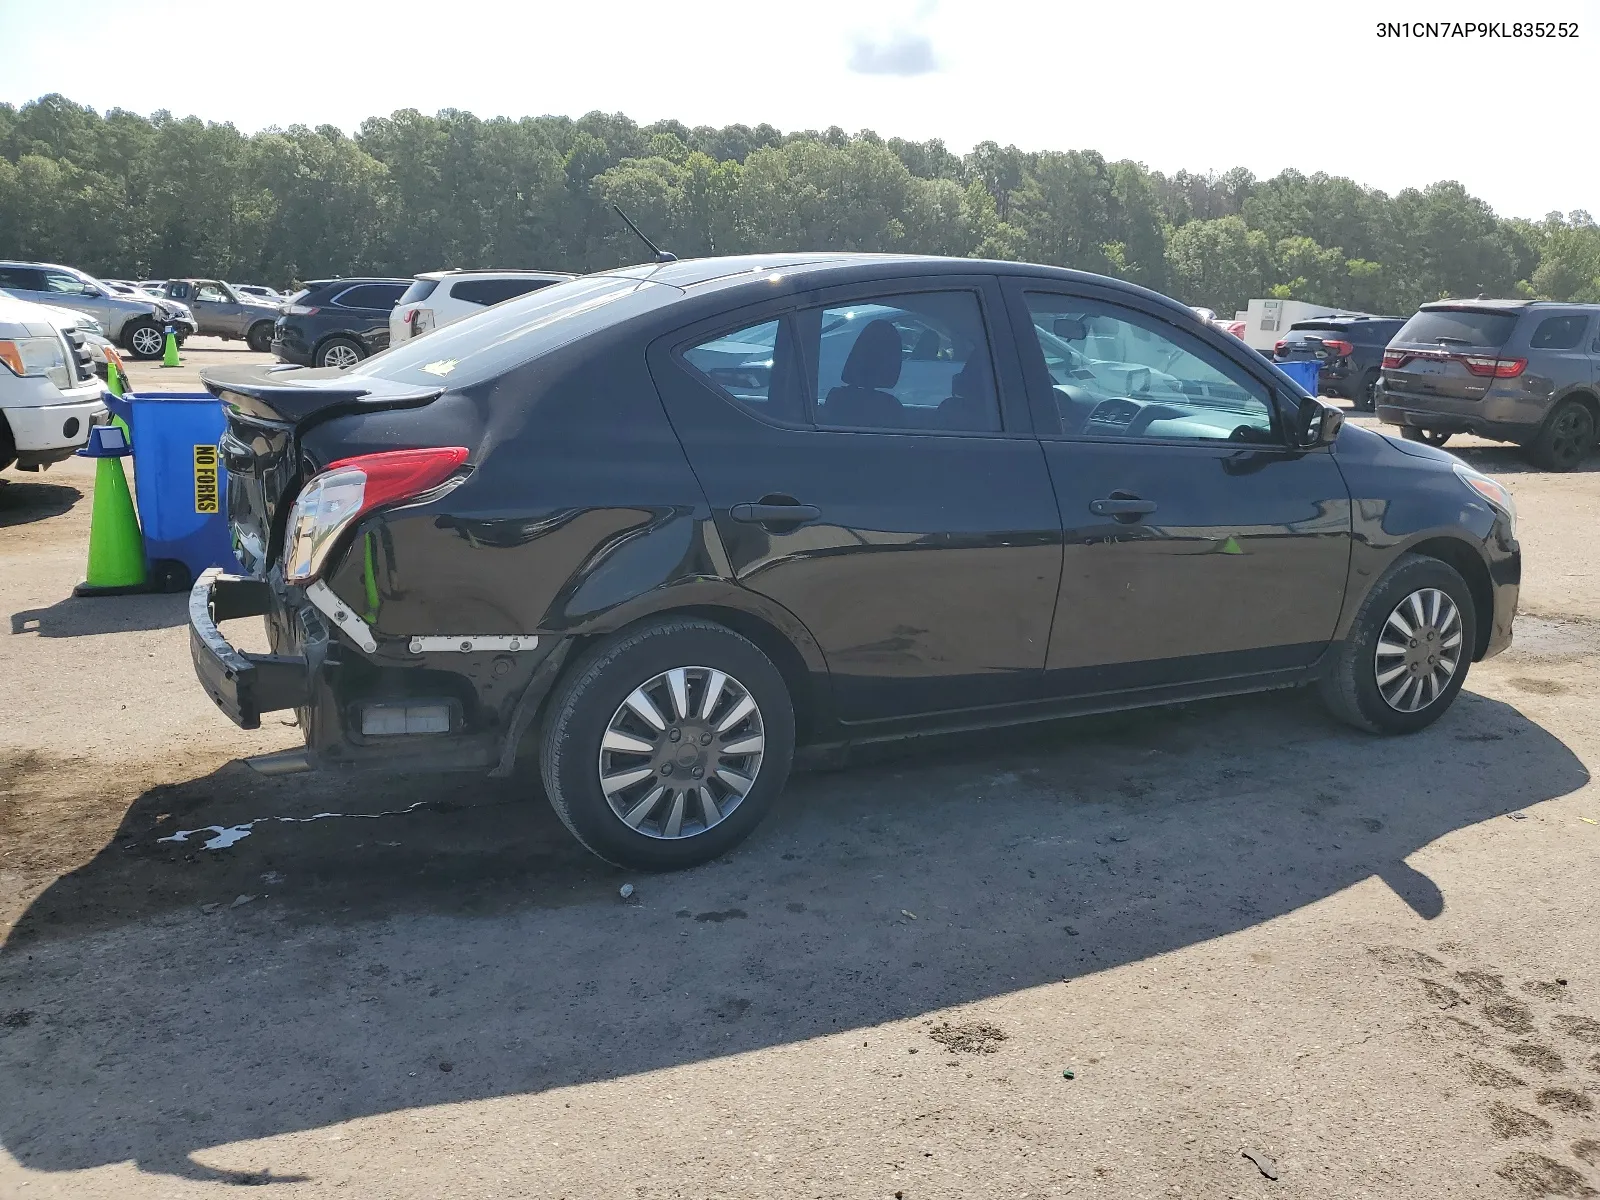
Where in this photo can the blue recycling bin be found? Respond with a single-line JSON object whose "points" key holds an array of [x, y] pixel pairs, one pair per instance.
{"points": [[181, 485], [1304, 372]]}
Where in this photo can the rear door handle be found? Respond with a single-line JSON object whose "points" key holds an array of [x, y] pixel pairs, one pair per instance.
{"points": [[1121, 507], [774, 514]]}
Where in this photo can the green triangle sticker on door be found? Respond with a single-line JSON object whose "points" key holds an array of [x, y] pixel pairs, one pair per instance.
{"points": [[1230, 545]]}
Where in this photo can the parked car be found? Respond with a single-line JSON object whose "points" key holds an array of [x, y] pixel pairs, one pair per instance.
{"points": [[222, 312], [49, 396], [1209, 316], [680, 520], [336, 322], [436, 298], [136, 323], [1523, 371], [260, 291], [1348, 349]]}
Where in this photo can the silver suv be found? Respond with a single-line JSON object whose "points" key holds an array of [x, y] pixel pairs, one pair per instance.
{"points": [[137, 323]]}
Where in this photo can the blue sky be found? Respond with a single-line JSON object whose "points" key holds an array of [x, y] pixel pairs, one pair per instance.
{"points": [[1174, 85]]}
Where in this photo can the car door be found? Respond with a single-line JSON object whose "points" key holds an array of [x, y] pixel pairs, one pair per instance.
{"points": [[886, 489], [1197, 544]]}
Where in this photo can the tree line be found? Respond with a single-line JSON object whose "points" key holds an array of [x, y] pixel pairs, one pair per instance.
{"points": [[124, 195]]}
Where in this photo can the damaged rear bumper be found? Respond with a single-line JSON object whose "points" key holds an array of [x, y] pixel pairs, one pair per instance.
{"points": [[242, 685]]}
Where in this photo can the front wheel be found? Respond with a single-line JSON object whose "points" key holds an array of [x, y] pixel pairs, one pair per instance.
{"points": [[1408, 649], [1427, 437], [665, 746], [144, 340]]}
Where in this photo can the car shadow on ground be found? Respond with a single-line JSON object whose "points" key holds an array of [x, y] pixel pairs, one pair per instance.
{"points": [[78, 616], [166, 999], [23, 501]]}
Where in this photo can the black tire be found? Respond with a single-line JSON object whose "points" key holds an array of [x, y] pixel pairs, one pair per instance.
{"points": [[1350, 688], [129, 337], [1362, 395], [595, 687], [259, 337], [1426, 436], [8, 445], [1566, 439], [336, 345]]}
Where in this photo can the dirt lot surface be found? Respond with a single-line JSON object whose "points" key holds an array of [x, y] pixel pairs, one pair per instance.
{"points": [[1107, 958]]}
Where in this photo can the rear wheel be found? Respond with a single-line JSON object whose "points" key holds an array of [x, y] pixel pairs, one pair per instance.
{"points": [[259, 338], [144, 340], [665, 746], [1427, 437], [339, 352], [1408, 650], [1566, 439]]}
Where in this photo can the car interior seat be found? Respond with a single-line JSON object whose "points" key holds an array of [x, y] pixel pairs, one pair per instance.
{"points": [[872, 366]]}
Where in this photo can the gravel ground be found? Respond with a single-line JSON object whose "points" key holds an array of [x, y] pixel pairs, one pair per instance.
{"points": [[1102, 959]]}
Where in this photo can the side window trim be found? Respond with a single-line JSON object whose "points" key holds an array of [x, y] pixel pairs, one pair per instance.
{"points": [[1047, 419]]}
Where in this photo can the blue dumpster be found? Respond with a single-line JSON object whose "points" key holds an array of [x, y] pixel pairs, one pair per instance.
{"points": [[182, 486], [1303, 372]]}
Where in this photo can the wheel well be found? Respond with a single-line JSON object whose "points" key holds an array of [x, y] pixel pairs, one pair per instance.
{"points": [[1588, 400], [1470, 567]]}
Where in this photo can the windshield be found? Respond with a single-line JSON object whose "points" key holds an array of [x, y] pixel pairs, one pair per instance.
{"points": [[1467, 326], [493, 341]]}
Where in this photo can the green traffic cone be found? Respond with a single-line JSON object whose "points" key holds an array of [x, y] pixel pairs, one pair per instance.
{"points": [[116, 548], [169, 355]]}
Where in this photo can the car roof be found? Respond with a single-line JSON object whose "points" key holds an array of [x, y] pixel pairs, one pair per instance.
{"points": [[514, 272], [826, 269], [354, 279]]}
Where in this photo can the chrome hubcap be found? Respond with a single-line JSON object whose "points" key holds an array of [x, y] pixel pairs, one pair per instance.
{"points": [[681, 752], [1418, 650], [340, 357], [147, 341]]}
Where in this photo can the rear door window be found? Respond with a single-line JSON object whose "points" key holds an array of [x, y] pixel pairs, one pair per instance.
{"points": [[22, 279], [916, 362], [370, 295], [1559, 333], [493, 291], [1461, 326]]}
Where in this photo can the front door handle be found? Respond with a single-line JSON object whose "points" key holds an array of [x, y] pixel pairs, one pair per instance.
{"points": [[774, 514]]}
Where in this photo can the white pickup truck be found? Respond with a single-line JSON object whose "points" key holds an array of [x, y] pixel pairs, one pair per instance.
{"points": [[50, 396]]}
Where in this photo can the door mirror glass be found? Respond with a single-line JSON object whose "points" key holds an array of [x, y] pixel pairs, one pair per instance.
{"points": [[1317, 424], [1071, 329]]}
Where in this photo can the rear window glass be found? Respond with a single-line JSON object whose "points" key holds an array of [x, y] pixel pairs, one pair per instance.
{"points": [[1559, 333], [420, 289], [1466, 326], [492, 343]]}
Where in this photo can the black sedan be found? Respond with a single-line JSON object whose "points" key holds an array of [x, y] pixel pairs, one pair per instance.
{"points": [[678, 521], [336, 322]]}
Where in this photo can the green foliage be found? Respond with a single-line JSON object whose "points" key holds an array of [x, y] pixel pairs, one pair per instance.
{"points": [[125, 195]]}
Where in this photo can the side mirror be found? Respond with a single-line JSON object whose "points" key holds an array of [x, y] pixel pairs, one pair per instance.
{"points": [[1071, 329], [1317, 424]]}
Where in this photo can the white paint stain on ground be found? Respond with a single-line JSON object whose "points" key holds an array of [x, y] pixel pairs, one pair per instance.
{"points": [[223, 836]]}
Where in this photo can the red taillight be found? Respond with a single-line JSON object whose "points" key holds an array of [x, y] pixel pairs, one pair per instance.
{"points": [[1395, 358], [398, 474], [335, 498], [1487, 366], [1335, 346]]}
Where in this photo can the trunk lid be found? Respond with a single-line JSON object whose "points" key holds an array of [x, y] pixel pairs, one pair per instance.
{"points": [[268, 412], [1448, 352]]}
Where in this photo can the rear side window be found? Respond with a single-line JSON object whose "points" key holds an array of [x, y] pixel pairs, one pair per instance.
{"points": [[1465, 326], [419, 290], [493, 291], [370, 295], [1559, 333], [22, 279], [754, 367], [467, 352], [915, 362]]}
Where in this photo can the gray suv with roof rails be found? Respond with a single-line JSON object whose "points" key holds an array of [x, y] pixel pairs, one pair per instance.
{"points": [[1523, 371]]}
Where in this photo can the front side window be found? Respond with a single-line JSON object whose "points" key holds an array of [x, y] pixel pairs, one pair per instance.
{"points": [[916, 362], [211, 293], [1559, 333], [67, 285], [1118, 373]]}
